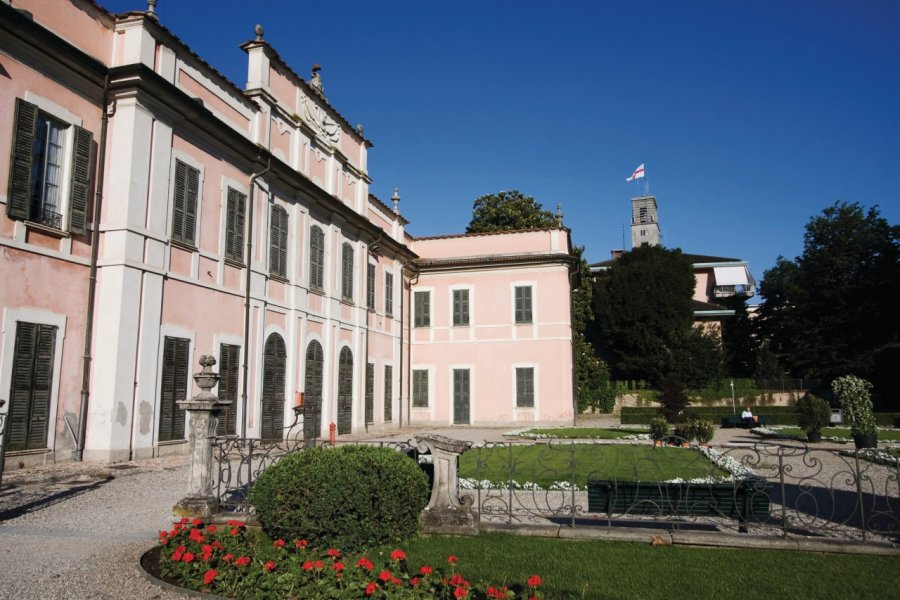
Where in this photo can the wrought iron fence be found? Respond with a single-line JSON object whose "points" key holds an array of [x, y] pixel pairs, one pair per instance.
{"points": [[782, 489]]}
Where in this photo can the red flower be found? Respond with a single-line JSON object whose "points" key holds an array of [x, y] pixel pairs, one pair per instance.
{"points": [[338, 566], [460, 592], [197, 522], [188, 557], [185, 520], [308, 566], [334, 553], [242, 561], [452, 559], [228, 557], [212, 528], [196, 536], [218, 545], [425, 570], [235, 531], [319, 564], [176, 556], [365, 563], [370, 589], [279, 543], [534, 581], [385, 576], [396, 581], [456, 579], [301, 544], [209, 576], [398, 555], [269, 566], [414, 581]]}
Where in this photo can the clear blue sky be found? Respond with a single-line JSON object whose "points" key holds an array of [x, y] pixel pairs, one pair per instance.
{"points": [[751, 117]]}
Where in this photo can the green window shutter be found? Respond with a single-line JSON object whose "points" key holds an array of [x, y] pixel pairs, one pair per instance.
{"points": [[81, 173], [420, 388], [235, 209], [190, 207], [389, 293], [278, 242], [370, 286], [174, 388], [423, 309], [20, 170], [370, 393], [32, 384], [388, 393], [274, 364], [347, 272], [525, 387], [316, 258], [229, 358], [461, 307], [523, 304]]}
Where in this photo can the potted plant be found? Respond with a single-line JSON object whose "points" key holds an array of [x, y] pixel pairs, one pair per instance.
{"points": [[703, 430], [813, 415], [659, 429], [856, 403]]}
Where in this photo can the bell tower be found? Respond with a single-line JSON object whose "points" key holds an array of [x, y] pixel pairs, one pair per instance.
{"points": [[644, 222]]}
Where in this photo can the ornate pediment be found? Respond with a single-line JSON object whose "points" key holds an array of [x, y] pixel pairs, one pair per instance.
{"points": [[318, 119]]}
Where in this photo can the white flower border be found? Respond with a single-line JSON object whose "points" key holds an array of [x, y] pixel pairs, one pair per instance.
{"points": [[875, 455]]}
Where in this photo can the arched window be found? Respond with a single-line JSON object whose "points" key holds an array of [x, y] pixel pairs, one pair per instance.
{"points": [[312, 407], [345, 391], [274, 359]]}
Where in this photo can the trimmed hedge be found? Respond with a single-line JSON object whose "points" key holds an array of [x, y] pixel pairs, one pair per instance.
{"points": [[776, 415], [351, 497]]}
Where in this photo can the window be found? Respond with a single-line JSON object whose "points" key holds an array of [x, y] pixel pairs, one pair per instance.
{"points": [[388, 393], [389, 293], [235, 209], [460, 307], [370, 393], [524, 387], [278, 231], [37, 182], [347, 272], [420, 388], [523, 304], [370, 287], [229, 359], [316, 258], [184, 206], [273, 386], [32, 384], [423, 309], [175, 377]]}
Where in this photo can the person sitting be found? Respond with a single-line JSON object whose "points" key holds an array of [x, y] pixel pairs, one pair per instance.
{"points": [[747, 417]]}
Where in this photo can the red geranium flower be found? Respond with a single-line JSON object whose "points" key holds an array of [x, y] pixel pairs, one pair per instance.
{"points": [[235, 531], [242, 561], [269, 566], [414, 581], [308, 566], [338, 566], [365, 563], [534, 581], [452, 559], [425, 570], [197, 522], [460, 592], [301, 544], [228, 557], [370, 589], [188, 557], [212, 528], [318, 564], [385, 576], [176, 556], [279, 543], [396, 581], [334, 553], [185, 520], [398, 555], [209, 576]]}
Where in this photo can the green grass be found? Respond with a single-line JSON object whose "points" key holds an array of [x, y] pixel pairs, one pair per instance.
{"points": [[620, 570], [585, 433], [545, 464], [884, 435]]}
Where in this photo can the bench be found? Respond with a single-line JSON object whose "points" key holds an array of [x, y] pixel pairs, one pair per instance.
{"points": [[737, 421], [747, 500]]}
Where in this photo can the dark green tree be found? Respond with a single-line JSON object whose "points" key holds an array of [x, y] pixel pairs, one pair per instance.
{"points": [[739, 342], [505, 211], [832, 311], [644, 313]]}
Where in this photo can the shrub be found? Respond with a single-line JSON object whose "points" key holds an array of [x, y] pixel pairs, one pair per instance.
{"points": [[674, 399], [813, 413], [856, 403], [351, 497], [659, 428], [703, 430]]}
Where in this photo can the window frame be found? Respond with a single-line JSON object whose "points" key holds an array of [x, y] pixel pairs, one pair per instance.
{"points": [[183, 230], [422, 310], [347, 256], [523, 315], [420, 387], [279, 223], [388, 293], [235, 224], [460, 307], [525, 382], [316, 258], [370, 286]]}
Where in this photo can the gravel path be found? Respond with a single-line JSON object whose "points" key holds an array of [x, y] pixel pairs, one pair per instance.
{"points": [[78, 531]]}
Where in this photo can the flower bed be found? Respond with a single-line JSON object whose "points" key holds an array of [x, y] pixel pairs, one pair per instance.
{"points": [[230, 561]]}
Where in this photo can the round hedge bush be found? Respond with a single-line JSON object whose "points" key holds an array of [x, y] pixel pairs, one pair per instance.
{"points": [[351, 497]]}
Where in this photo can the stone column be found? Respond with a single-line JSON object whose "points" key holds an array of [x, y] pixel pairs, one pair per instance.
{"points": [[445, 512], [202, 418]]}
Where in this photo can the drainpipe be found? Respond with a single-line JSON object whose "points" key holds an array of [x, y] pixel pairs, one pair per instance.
{"points": [[408, 349], [92, 278], [249, 259]]}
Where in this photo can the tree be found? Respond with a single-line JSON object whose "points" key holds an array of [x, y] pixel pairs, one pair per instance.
{"points": [[505, 211], [644, 313], [831, 311], [739, 343]]}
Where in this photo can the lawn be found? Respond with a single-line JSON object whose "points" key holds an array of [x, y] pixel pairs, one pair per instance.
{"points": [[884, 435], [585, 433], [545, 464], [620, 570]]}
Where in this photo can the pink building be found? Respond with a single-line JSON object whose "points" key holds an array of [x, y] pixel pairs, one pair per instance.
{"points": [[154, 211]]}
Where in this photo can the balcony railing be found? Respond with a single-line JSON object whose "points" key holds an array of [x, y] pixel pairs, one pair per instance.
{"points": [[727, 291]]}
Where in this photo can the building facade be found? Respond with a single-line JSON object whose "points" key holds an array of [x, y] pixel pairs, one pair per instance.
{"points": [[153, 211]]}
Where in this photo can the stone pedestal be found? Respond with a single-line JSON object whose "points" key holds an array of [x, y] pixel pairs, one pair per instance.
{"points": [[446, 513], [202, 418]]}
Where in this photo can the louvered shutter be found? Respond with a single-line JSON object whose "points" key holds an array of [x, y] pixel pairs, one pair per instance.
{"points": [[389, 293], [42, 384], [274, 361], [229, 356], [20, 170], [423, 309], [174, 388], [278, 242], [388, 393], [313, 386], [370, 393], [235, 208], [81, 172], [190, 206], [316, 257], [32, 383], [345, 391], [178, 202], [370, 286], [420, 389], [347, 272], [524, 387], [523, 304], [461, 396]]}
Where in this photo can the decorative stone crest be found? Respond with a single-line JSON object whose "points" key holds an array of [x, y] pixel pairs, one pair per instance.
{"points": [[319, 120]]}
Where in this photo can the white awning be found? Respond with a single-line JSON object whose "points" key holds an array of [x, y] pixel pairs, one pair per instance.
{"points": [[730, 275]]}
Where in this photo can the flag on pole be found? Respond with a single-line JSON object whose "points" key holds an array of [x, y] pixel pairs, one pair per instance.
{"points": [[638, 173]]}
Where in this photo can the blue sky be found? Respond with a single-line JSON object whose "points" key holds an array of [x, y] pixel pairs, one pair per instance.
{"points": [[751, 117]]}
